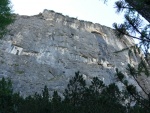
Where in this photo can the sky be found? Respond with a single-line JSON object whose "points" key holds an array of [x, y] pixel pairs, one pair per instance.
{"points": [[89, 10]]}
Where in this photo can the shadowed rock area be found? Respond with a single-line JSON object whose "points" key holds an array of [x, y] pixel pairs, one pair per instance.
{"points": [[47, 49]]}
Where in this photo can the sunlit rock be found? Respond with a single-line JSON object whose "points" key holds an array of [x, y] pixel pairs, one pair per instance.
{"points": [[47, 49]]}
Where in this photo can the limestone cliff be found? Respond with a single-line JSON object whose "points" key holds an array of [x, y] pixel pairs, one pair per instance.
{"points": [[47, 49]]}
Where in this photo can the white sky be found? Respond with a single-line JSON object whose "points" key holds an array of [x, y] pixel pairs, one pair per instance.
{"points": [[90, 10]]}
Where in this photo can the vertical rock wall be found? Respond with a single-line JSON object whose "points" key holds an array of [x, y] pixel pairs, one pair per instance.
{"points": [[47, 49]]}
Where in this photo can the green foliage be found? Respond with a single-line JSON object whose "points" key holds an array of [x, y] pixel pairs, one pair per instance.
{"points": [[56, 103], [6, 105], [96, 86], [75, 89], [113, 98], [120, 75], [142, 103], [94, 99], [6, 17], [135, 27], [8, 100], [78, 98]]}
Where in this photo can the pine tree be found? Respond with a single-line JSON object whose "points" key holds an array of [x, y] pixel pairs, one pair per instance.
{"points": [[6, 17], [134, 25], [56, 104], [6, 96], [75, 90], [142, 7], [135, 28]]}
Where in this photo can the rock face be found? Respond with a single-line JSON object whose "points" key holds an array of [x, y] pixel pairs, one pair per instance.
{"points": [[47, 49]]}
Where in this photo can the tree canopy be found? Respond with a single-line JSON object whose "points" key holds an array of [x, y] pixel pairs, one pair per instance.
{"points": [[5, 16], [78, 97], [135, 27]]}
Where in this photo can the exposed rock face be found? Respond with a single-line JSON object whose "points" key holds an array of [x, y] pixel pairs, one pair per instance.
{"points": [[142, 7], [47, 49]]}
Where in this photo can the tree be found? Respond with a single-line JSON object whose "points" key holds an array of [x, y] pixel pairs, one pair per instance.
{"points": [[96, 98], [113, 100], [6, 105], [37, 103], [79, 98], [92, 102], [141, 102], [75, 89], [135, 27], [133, 24], [6, 17], [142, 7], [56, 106]]}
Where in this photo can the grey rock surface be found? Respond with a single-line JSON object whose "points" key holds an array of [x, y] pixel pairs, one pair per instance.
{"points": [[47, 49]]}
